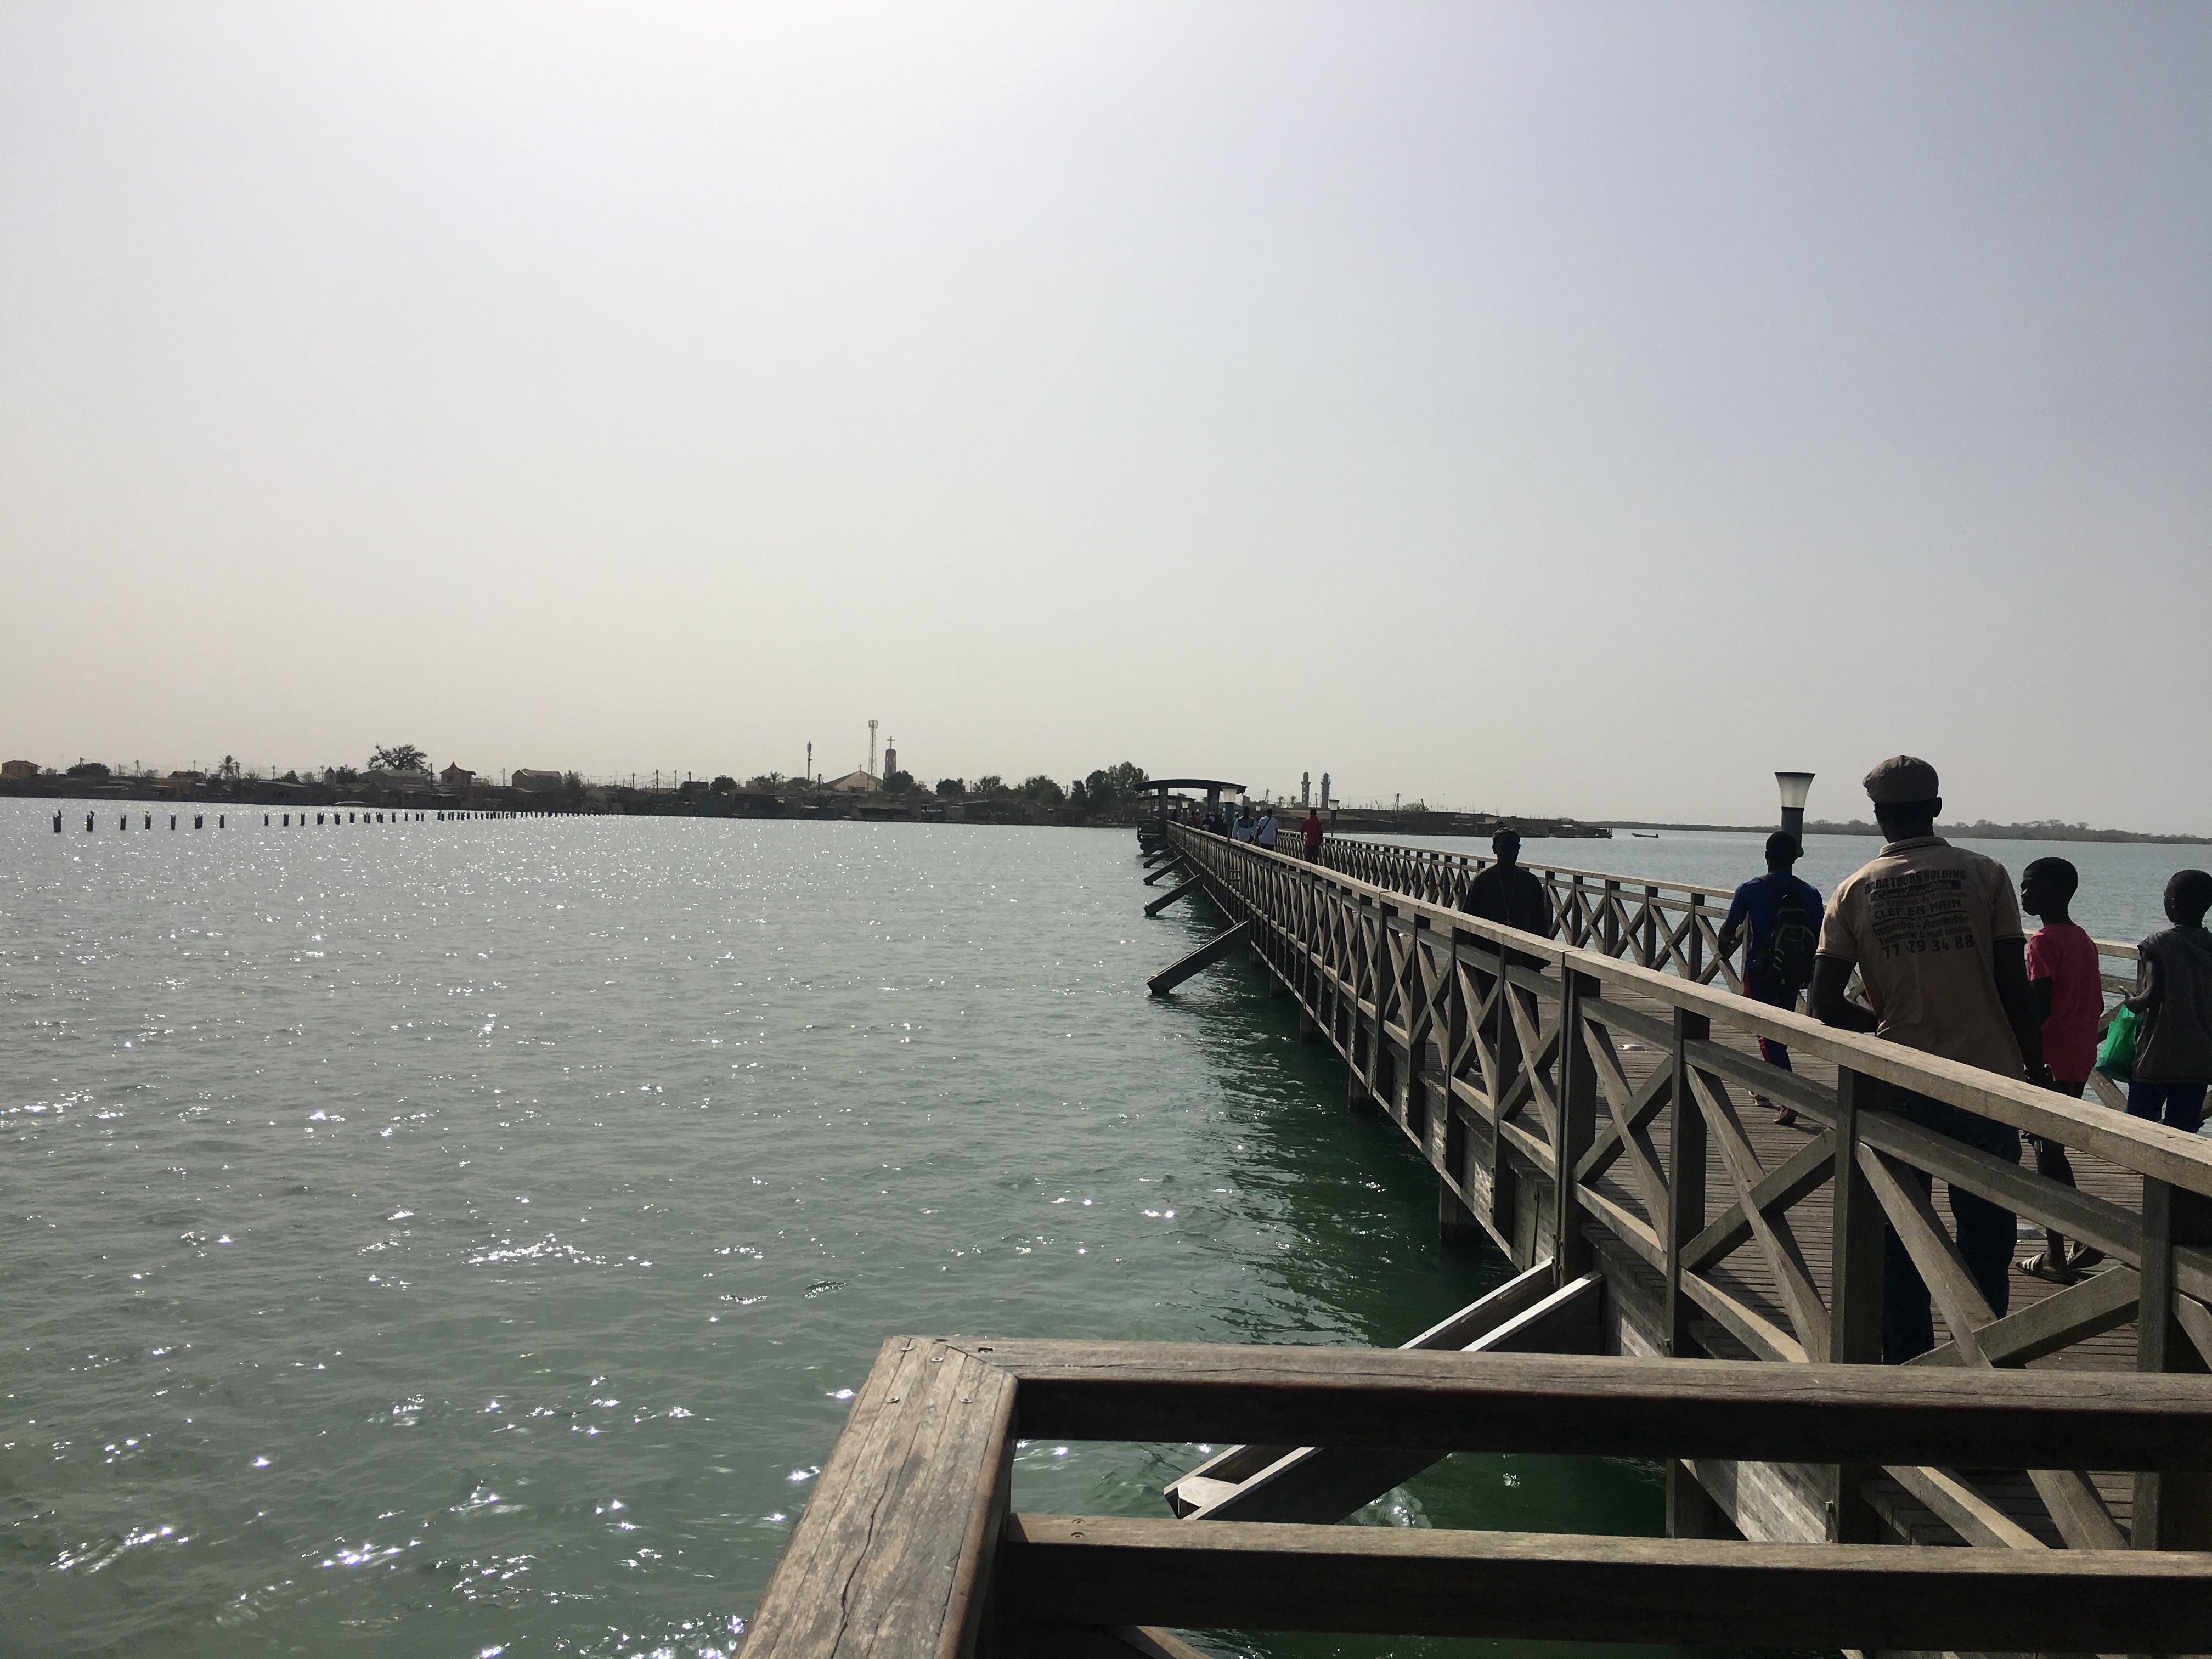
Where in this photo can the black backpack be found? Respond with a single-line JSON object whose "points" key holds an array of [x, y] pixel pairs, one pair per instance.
{"points": [[1786, 963]]}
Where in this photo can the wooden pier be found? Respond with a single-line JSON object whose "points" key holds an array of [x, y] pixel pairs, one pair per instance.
{"points": [[1697, 1287]]}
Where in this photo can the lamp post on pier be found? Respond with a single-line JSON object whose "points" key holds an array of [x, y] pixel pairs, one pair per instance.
{"points": [[1794, 786]]}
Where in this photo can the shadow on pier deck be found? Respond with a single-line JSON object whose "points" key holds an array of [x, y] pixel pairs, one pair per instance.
{"points": [[1579, 1104]]}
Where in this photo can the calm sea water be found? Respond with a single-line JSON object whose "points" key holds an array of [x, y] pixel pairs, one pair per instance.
{"points": [[461, 1239]]}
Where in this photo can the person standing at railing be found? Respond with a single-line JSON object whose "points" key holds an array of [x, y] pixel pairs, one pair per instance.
{"points": [[1507, 894], [1243, 828], [1783, 916], [1314, 834], [1935, 932], [2066, 980], [2173, 995]]}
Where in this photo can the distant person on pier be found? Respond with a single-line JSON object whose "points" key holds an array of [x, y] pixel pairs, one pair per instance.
{"points": [[1783, 916], [1508, 894], [1245, 828], [1314, 836], [2066, 980], [1265, 831], [2173, 995], [1215, 824], [1935, 932]]}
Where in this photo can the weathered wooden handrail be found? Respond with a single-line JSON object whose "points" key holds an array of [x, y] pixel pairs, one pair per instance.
{"points": [[2144, 1147], [1618, 916], [908, 1546]]}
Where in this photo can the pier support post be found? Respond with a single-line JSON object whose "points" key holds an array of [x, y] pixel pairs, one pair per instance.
{"points": [[1182, 890], [1359, 1096], [1455, 1222], [2172, 1511]]}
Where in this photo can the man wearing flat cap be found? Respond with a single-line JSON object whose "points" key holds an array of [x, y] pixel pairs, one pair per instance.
{"points": [[1935, 932]]}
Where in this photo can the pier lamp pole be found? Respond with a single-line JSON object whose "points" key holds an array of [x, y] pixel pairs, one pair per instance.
{"points": [[1794, 786]]}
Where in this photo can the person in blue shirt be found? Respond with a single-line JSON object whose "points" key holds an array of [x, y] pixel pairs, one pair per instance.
{"points": [[1783, 914]]}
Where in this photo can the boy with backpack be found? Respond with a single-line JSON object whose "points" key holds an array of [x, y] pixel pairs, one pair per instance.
{"points": [[2065, 979], [1783, 915]]}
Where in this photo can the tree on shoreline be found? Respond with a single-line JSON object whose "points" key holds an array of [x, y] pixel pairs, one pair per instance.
{"points": [[400, 757]]}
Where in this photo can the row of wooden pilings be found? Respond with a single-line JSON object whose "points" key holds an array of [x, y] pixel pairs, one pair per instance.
{"points": [[270, 820]]}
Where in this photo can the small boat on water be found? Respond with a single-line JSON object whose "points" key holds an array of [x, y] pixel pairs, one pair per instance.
{"points": [[1645, 835]]}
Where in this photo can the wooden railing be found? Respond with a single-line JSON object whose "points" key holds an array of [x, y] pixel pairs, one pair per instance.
{"points": [[911, 1546], [1512, 1062], [1671, 926]]}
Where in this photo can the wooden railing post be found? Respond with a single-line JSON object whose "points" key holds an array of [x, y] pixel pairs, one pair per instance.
{"points": [[1854, 1293], [1685, 1184], [1611, 932], [1651, 927], [1578, 1082], [1506, 1044], [1697, 938], [1691, 1511], [2172, 1511]]}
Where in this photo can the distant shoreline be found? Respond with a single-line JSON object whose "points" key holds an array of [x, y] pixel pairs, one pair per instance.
{"points": [[1950, 831]]}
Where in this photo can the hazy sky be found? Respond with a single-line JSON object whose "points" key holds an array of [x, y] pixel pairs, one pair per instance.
{"points": [[1557, 408]]}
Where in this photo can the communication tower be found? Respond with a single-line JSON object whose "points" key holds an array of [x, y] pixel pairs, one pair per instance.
{"points": [[872, 748]]}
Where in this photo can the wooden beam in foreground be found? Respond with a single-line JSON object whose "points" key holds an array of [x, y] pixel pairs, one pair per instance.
{"points": [[1198, 960], [1536, 1586], [895, 1554], [1603, 1406], [1178, 862]]}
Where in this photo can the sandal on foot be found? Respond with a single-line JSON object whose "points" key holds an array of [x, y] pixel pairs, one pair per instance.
{"points": [[2083, 1256], [2039, 1267]]}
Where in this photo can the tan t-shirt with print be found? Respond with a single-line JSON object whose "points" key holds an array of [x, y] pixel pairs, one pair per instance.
{"points": [[1920, 921]]}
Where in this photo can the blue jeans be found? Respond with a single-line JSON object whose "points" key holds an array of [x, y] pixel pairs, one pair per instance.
{"points": [[1984, 1232], [2177, 1105], [1769, 1050]]}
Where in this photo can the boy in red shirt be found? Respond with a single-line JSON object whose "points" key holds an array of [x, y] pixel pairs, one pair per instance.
{"points": [[2064, 976]]}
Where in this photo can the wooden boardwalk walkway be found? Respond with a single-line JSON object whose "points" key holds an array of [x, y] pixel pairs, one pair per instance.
{"points": [[1699, 1285], [1589, 1062]]}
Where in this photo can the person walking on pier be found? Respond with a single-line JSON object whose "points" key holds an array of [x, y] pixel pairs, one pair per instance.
{"points": [[1265, 831], [1935, 932], [2173, 995], [2065, 980], [1244, 828], [1313, 833], [1507, 894], [1783, 916]]}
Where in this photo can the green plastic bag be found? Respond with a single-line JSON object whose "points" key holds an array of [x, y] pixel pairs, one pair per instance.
{"points": [[2116, 1057]]}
